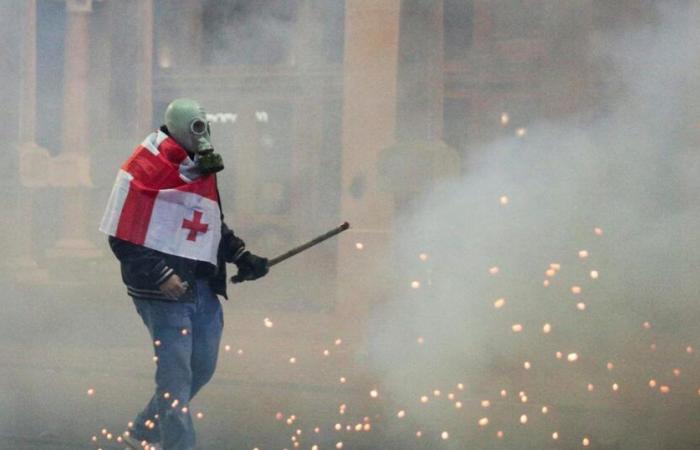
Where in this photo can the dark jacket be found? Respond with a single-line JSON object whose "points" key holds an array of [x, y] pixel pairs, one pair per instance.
{"points": [[144, 270]]}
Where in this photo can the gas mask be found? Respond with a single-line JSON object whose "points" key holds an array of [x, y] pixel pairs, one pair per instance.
{"points": [[187, 124]]}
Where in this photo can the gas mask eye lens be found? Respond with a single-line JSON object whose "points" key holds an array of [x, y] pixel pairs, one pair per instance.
{"points": [[198, 126]]}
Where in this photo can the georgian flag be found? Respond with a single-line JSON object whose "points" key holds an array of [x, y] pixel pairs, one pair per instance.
{"points": [[160, 201]]}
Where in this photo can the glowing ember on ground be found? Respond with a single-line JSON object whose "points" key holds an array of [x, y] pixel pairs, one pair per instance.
{"points": [[527, 365], [494, 270], [499, 434], [571, 357], [424, 399], [590, 387], [555, 435], [521, 132], [359, 245], [523, 419], [585, 442], [546, 328], [401, 414], [420, 340], [292, 360], [505, 118], [445, 435], [485, 403], [504, 200], [423, 256], [652, 383], [594, 274], [545, 410], [483, 421], [610, 366], [517, 328], [91, 391], [499, 303], [184, 332], [581, 306], [373, 393], [583, 254], [615, 387], [647, 325], [415, 284], [664, 389], [458, 404], [268, 323], [576, 289], [504, 393], [598, 231], [227, 348]]}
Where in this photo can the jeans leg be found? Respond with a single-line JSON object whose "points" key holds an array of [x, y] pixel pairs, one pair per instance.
{"points": [[207, 327], [171, 325]]}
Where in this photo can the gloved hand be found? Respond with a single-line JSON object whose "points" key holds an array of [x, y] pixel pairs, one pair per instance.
{"points": [[250, 267]]}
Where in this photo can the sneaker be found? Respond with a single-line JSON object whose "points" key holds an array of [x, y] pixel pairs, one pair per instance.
{"points": [[134, 444]]}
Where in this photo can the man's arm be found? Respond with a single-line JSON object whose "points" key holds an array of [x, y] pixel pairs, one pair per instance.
{"points": [[148, 267]]}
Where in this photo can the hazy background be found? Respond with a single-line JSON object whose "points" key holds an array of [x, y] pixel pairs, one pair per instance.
{"points": [[527, 195]]}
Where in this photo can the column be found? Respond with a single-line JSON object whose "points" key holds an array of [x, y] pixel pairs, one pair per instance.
{"points": [[71, 169], [369, 117]]}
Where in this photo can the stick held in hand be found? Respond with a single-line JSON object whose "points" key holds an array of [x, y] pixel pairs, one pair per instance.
{"points": [[296, 250]]}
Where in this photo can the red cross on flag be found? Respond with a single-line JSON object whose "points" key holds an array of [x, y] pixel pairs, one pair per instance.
{"points": [[159, 201]]}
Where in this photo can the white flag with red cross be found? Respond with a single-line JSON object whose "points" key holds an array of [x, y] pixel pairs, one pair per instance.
{"points": [[161, 202]]}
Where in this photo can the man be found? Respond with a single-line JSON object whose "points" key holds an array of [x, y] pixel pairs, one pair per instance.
{"points": [[165, 226]]}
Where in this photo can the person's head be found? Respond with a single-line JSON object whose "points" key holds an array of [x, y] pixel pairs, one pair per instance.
{"points": [[187, 124]]}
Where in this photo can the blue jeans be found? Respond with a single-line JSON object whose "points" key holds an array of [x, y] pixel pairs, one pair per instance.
{"points": [[186, 339]]}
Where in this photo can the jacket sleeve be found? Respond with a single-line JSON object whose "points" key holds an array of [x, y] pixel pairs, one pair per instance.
{"points": [[232, 246], [141, 263]]}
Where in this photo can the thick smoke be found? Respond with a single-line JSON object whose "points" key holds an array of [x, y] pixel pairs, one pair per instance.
{"points": [[531, 201]]}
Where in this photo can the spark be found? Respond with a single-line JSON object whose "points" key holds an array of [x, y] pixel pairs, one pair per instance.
{"points": [[504, 393], [594, 274], [419, 433], [558, 355], [689, 350], [326, 352], [268, 323], [292, 360], [677, 372], [550, 272], [483, 421], [499, 303], [156, 343], [581, 306], [436, 393], [415, 284], [585, 442], [494, 270], [420, 340], [664, 389], [615, 387], [646, 325], [527, 365], [338, 341], [652, 383], [523, 419], [359, 245], [555, 435], [200, 415], [460, 386], [458, 404], [521, 132], [545, 283], [373, 393], [583, 254], [227, 348], [598, 231], [517, 328], [423, 256], [571, 357], [450, 396], [610, 366], [424, 399], [499, 434], [504, 200], [401, 414], [91, 391], [505, 118], [545, 410], [445, 435], [590, 387], [485, 403], [339, 445], [184, 332], [576, 289], [342, 379], [546, 328]]}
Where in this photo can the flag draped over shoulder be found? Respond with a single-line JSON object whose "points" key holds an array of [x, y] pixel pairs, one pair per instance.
{"points": [[160, 201]]}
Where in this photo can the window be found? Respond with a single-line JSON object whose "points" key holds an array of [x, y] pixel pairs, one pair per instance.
{"points": [[256, 32], [458, 19]]}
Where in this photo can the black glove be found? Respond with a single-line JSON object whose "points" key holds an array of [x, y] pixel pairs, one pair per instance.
{"points": [[250, 267]]}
